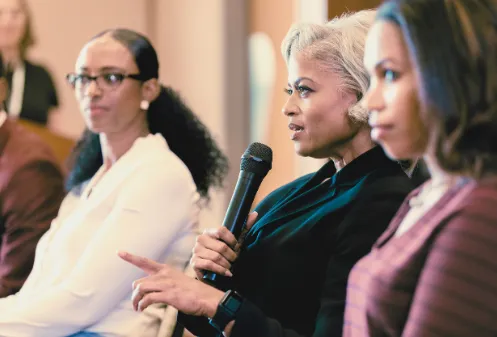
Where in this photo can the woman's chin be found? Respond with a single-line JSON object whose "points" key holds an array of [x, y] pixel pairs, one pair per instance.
{"points": [[310, 152], [95, 127], [301, 151]]}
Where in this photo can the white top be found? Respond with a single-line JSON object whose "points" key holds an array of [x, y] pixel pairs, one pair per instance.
{"points": [[145, 204], [17, 90]]}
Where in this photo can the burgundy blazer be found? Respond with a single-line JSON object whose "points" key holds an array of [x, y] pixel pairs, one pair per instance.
{"points": [[439, 278], [31, 191]]}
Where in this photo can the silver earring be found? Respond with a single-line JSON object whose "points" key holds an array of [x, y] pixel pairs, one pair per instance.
{"points": [[144, 105]]}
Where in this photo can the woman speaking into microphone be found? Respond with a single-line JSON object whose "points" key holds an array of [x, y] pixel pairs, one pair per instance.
{"points": [[291, 270]]}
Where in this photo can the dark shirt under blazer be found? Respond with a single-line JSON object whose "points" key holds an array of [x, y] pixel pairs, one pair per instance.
{"points": [[296, 258]]}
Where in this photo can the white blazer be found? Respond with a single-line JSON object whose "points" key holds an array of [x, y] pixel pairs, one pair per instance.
{"points": [[145, 204]]}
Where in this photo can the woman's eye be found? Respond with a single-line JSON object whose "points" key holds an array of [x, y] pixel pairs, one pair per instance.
{"points": [[83, 79], [303, 90], [390, 75], [113, 78]]}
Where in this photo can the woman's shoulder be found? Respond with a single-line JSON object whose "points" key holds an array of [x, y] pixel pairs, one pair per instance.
{"points": [[481, 200], [38, 69], [466, 224], [486, 188], [156, 161], [467, 213], [373, 174], [391, 183]]}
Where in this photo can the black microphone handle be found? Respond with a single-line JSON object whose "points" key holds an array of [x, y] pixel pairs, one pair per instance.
{"points": [[239, 207]]}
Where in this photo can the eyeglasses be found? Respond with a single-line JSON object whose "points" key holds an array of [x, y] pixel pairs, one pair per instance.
{"points": [[105, 81]]}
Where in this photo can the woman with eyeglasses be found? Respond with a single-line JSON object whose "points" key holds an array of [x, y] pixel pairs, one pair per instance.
{"points": [[137, 176]]}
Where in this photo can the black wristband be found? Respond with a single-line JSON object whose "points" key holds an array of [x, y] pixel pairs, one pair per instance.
{"points": [[226, 310]]}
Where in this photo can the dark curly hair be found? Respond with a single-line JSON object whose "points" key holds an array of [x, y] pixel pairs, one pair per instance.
{"points": [[168, 115], [453, 47]]}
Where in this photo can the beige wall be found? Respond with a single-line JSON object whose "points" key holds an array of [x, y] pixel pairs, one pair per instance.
{"points": [[202, 48], [274, 18], [309, 11]]}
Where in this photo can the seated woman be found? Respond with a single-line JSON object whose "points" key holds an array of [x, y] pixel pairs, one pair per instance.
{"points": [[290, 277], [433, 93], [135, 183]]}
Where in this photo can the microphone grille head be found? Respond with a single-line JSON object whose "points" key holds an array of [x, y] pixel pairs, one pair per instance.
{"points": [[261, 151], [258, 158]]}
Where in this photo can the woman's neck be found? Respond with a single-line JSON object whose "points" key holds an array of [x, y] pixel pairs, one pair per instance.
{"points": [[11, 56], [115, 145], [360, 144], [437, 175]]}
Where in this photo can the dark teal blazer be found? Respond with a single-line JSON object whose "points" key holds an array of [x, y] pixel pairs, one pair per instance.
{"points": [[295, 262]]}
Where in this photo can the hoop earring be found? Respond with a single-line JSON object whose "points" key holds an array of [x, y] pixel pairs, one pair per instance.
{"points": [[144, 105]]}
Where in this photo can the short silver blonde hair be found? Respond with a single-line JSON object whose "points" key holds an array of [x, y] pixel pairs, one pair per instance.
{"points": [[339, 47]]}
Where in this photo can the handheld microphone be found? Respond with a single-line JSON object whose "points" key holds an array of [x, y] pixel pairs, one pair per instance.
{"points": [[256, 163]]}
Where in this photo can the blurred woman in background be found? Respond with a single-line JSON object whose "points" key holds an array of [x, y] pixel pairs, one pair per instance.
{"points": [[32, 94]]}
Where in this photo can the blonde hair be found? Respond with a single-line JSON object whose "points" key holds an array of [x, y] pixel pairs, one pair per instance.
{"points": [[339, 48]]}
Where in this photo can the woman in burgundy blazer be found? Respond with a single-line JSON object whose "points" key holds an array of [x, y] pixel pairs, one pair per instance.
{"points": [[31, 191], [433, 93]]}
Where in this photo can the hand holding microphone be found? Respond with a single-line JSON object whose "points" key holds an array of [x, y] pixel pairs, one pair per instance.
{"points": [[216, 250]]}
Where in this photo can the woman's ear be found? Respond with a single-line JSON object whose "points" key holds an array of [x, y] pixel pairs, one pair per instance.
{"points": [[150, 90]]}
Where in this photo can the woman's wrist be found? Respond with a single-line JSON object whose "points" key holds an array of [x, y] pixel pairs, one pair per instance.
{"points": [[212, 303]]}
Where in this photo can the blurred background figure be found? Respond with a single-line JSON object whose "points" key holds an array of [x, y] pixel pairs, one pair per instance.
{"points": [[31, 190], [32, 94]]}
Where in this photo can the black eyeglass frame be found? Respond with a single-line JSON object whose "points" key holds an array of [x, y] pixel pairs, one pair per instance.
{"points": [[71, 78]]}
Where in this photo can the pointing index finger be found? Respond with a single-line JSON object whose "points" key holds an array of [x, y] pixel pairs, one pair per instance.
{"points": [[145, 264]]}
